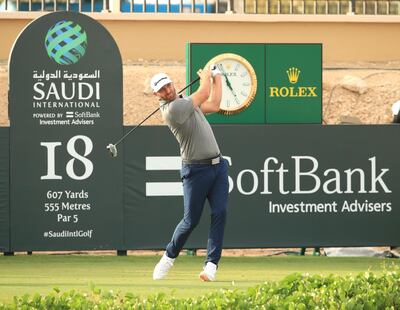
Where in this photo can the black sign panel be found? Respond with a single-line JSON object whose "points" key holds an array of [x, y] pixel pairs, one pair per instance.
{"points": [[290, 186], [65, 107], [4, 189]]}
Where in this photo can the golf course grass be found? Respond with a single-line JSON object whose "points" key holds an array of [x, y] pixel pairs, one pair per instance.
{"points": [[39, 273]]}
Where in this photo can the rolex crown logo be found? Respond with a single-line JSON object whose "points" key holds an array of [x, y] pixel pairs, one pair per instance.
{"points": [[293, 75]]}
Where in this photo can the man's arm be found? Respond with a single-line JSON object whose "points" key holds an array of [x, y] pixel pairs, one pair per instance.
{"points": [[203, 92], [213, 102]]}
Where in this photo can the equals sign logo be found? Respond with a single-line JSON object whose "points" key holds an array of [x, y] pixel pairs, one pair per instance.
{"points": [[163, 188], [70, 114], [163, 163]]}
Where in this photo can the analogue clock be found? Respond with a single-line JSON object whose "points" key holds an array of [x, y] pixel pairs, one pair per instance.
{"points": [[239, 82]]}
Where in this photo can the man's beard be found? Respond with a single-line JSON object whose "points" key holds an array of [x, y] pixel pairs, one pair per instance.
{"points": [[170, 98]]}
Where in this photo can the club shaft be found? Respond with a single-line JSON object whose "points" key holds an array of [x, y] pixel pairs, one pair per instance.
{"points": [[125, 135], [190, 84], [152, 113]]}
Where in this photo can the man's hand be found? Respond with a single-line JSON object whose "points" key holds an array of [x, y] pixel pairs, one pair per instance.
{"points": [[203, 92], [214, 70], [213, 101], [205, 75], [208, 100]]}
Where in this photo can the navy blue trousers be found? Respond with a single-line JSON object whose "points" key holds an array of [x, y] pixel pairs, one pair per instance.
{"points": [[201, 182]]}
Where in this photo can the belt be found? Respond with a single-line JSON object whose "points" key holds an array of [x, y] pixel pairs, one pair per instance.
{"points": [[210, 161]]}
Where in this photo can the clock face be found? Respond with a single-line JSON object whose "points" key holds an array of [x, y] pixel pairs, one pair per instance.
{"points": [[239, 82]]}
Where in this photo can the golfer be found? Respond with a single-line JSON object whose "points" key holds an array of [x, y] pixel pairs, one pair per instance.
{"points": [[204, 171]]}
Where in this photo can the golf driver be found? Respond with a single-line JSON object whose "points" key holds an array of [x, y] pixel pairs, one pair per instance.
{"points": [[112, 148]]}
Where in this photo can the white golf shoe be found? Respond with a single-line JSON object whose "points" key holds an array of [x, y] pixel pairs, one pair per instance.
{"points": [[162, 268], [209, 272]]}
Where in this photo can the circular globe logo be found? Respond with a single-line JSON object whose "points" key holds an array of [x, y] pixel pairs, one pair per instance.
{"points": [[66, 42]]}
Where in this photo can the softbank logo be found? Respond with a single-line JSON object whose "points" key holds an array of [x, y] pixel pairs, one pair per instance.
{"points": [[306, 171]]}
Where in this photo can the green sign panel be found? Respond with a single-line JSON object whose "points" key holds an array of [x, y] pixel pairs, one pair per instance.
{"points": [[288, 187], [294, 83], [65, 100], [263, 83]]}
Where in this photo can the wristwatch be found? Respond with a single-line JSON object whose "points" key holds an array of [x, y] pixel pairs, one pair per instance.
{"points": [[239, 82]]}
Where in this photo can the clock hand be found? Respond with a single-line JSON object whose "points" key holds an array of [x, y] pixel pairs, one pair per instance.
{"points": [[228, 83], [234, 94], [236, 98], [226, 78]]}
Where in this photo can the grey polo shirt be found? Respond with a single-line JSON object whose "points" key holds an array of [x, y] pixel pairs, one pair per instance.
{"points": [[190, 128]]}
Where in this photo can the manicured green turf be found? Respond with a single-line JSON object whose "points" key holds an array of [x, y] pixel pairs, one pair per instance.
{"points": [[41, 273]]}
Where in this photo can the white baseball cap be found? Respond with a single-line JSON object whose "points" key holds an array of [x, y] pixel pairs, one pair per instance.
{"points": [[158, 81]]}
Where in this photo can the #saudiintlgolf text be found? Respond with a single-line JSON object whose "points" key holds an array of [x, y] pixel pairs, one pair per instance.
{"points": [[69, 234]]}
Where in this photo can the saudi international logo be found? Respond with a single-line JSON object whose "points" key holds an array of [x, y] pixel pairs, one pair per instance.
{"points": [[66, 42], [293, 75]]}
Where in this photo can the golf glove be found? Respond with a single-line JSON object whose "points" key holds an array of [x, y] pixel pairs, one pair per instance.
{"points": [[214, 70]]}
